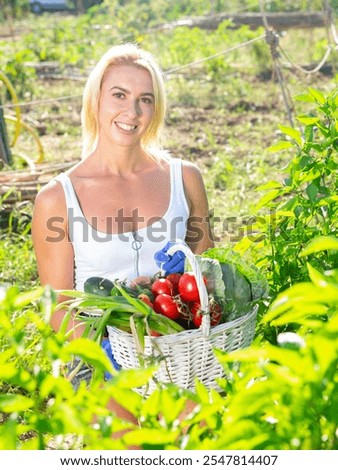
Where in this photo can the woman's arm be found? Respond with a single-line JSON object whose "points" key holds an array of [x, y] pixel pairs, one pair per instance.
{"points": [[199, 235], [53, 250]]}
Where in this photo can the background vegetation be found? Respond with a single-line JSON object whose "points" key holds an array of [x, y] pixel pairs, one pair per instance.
{"points": [[273, 186]]}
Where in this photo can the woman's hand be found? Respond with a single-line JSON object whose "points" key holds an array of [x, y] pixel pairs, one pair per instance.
{"points": [[140, 281], [170, 263]]}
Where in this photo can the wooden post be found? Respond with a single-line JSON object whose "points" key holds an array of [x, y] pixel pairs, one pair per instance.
{"points": [[5, 153], [80, 8], [277, 21]]}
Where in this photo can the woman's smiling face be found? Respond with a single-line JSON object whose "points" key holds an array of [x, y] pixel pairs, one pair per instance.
{"points": [[126, 105]]}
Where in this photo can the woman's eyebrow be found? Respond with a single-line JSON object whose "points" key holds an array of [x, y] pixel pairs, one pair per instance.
{"points": [[148, 93], [120, 88], [124, 90]]}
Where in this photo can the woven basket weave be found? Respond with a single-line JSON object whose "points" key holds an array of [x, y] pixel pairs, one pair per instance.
{"points": [[189, 354]]}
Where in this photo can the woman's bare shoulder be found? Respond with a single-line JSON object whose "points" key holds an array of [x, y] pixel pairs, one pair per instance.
{"points": [[191, 173], [50, 197]]}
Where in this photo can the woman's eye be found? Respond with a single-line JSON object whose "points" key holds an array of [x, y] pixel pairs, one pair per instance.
{"points": [[118, 95], [147, 100]]}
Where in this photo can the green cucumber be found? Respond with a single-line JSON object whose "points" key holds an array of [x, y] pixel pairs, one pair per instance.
{"points": [[98, 286]]}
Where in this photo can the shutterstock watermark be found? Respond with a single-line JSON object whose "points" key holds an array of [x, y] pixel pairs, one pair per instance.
{"points": [[154, 229]]}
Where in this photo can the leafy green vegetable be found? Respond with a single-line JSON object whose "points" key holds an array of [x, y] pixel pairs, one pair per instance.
{"points": [[244, 284], [238, 289], [237, 268]]}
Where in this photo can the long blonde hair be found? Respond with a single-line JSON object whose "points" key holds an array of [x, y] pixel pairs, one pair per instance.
{"points": [[126, 54]]}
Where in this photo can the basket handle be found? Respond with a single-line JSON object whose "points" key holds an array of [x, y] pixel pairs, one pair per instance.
{"points": [[203, 293]]}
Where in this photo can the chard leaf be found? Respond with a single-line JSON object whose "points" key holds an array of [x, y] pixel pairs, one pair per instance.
{"points": [[238, 289], [240, 268]]}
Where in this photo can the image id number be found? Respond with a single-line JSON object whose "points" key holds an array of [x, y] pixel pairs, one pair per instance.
{"points": [[240, 460]]}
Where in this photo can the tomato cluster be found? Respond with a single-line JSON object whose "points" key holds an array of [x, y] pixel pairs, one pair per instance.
{"points": [[176, 296]]}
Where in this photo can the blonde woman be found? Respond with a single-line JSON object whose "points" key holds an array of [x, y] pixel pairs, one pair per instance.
{"points": [[127, 198]]}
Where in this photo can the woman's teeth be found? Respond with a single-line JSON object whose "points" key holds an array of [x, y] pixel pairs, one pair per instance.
{"points": [[126, 127]]}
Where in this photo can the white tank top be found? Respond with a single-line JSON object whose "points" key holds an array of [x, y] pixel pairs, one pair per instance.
{"points": [[126, 255]]}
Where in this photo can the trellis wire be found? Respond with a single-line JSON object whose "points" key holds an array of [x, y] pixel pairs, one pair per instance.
{"points": [[302, 69], [167, 73], [227, 51]]}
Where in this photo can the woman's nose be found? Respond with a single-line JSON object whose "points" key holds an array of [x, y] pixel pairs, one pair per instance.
{"points": [[133, 108]]}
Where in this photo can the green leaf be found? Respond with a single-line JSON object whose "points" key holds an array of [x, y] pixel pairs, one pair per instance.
{"points": [[318, 96], [171, 405], [120, 320], [244, 244], [300, 301], [305, 97], [134, 378], [34, 443], [138, 329], [163, 325], [268, 198], [332, 410], [152, 406], [10, 403], [86, 300], [269, 185], [252, 442], [238, 290], [204, 413], [316, 277], [138, 304], [27, 298], [322, 243], [307, 120], [201, 391], [8, 439], [150, 437], [285, 144], [312, 191], [293, 133], [66, 419], [11, 374], [297, 315], [328, 361], [56, 386], [126, 397], [260, 355], [283, 213], [90, 352], [308, 136]]}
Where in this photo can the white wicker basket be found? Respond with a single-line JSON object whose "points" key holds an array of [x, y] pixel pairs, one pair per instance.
{"points": [[189, 354]]}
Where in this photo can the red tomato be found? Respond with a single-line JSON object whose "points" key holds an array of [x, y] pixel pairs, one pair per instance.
{"points": [[187, 288], [174, 278], [154, 333], [162, 286], [145, 299], [167, 306], [215, 313], [196, 314]]}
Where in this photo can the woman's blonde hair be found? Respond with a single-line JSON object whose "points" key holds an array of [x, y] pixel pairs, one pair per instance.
{"points": [[126, 54]]}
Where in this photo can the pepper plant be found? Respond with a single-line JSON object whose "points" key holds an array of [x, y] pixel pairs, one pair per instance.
{"points": [[304, 204]]}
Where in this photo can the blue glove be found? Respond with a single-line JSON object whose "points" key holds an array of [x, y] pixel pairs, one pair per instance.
{"points": [[170, 263], [107, 348]]}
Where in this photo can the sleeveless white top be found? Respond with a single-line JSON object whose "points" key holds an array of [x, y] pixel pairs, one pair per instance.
{"points": [[125, 255]]}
